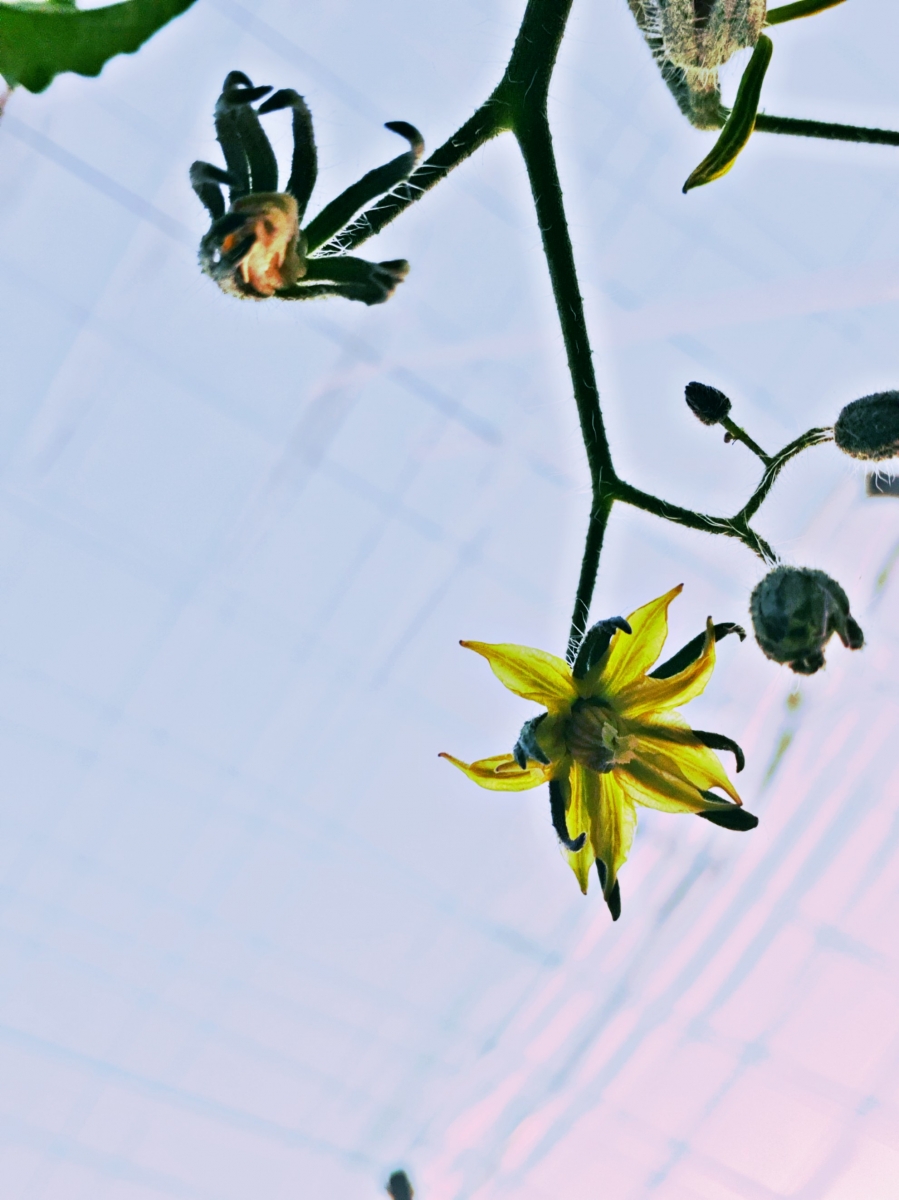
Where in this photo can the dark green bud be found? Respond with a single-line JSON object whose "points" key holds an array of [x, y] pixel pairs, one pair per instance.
{"points": [[707, 403], [869, 428], [795, 610], [399, 1187]]}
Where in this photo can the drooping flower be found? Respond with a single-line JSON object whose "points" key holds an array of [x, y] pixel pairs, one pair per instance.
{"points": [[609, 738]]}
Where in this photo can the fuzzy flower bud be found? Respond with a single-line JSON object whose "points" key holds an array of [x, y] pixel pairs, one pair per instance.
{"points": [[399, 1187], [869, 428], [706, 403], [794, 612]]}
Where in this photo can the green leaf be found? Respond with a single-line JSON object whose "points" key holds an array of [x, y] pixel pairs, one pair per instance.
{"points": [[741, 122], [38, 41]]}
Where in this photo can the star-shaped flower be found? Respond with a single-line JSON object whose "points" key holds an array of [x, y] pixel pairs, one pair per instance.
{"points": [[610, 738]]}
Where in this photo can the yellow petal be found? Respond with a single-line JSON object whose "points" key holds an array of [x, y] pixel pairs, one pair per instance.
{"points": [[502, 773], [645, 696], [531, 674], [614, 827], [648, 783], [579, 819], [631, 655], [696, 764]]}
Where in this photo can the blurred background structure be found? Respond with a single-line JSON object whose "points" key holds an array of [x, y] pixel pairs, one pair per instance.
{"points": [[256, 941]]}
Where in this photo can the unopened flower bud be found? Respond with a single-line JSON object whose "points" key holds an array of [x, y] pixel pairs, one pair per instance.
{"points": [[869, 428], [399, 1187], [707, 403], [795, 610]]}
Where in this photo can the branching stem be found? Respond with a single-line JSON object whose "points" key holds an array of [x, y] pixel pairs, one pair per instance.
{"points": [[814, 437], [519, 105]]}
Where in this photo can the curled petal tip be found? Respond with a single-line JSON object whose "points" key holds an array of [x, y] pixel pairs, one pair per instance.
{"points": [[410, 133]]}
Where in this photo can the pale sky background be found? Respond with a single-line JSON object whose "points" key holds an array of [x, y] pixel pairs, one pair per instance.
{"points": [[257, 942]]}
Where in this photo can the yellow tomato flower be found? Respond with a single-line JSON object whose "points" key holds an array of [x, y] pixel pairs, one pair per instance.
{"points": [[610, 740]]}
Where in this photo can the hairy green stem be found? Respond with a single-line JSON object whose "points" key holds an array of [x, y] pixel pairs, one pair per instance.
{"points": [[814, 437], [736, 526], [526, 87], [596, 531], [798, 127], [518, 104], [740, 435]]}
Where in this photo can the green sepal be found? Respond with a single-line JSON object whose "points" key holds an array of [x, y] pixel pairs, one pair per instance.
{"points": [[733, 817], [39, 41], [336, 215], [802, 8], [352, 278], [527, 745], [693, 649], [304, 164], [720, 741], [560, 824], [596, 642], [207, 180], [251, 161], [739, 125], [613, 900]]}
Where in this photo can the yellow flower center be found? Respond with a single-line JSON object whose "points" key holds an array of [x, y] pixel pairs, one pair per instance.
{"points": [[594, 739]]}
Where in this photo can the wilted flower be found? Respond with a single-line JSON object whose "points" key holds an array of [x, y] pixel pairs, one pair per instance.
{"points": [[869, 428], [609, 738], [257, 248], [267, 237], [795, 611]]}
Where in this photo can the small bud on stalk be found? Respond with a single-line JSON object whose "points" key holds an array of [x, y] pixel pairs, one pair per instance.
{"points": [[795, 610], [869, 428], [706, 403]]}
